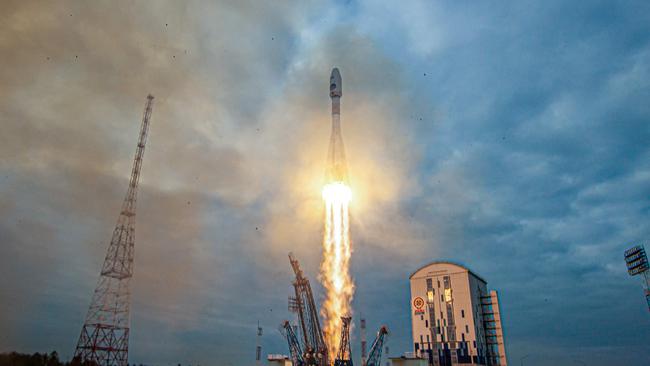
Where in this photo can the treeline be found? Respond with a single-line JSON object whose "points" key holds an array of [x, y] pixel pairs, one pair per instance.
{"points": [[42, 359], [38, 359]]}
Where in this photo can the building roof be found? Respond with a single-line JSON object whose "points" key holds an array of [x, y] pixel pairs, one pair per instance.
{"points": [[448, 262]]}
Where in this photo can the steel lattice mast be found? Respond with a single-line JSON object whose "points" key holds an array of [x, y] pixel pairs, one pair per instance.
{"points": [[104, 338], [344, 358]]}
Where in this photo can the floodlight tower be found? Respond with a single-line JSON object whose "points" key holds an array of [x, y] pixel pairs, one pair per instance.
{"points": [[637, 265], [104, 339]]}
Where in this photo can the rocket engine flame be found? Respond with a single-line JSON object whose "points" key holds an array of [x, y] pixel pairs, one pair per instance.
{"points": [[337, 249], [335, 269]]}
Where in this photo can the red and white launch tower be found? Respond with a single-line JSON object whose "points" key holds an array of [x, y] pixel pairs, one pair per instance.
{"points": [[104, 338]]}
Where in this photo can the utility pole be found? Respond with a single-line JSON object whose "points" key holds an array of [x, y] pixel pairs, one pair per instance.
{"points": [[258, 350], [363, 342], [104, 338]]}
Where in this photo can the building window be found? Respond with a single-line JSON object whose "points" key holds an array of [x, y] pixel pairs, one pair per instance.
{"points": [[442, 298], [421, 317], [428, 340], [426, 324], [429, 284], [447, 281], [466, 328], [462, 313], [441, 315], [474, 344], [438, 283], [421, 339], [462, 336]]}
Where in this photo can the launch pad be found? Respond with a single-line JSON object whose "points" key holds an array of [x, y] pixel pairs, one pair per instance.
{"points": [[313, 351]]}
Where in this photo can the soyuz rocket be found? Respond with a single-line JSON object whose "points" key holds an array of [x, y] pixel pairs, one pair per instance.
{"points": [[337, 170]]}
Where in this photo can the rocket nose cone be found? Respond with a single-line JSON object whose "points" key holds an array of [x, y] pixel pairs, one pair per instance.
{"points": [[336, 85]]}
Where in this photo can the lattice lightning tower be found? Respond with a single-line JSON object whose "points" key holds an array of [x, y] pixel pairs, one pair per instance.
{"points": [[104, 338]]}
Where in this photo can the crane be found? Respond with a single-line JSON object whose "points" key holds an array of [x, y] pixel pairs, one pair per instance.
{"points": [[374, 356]]}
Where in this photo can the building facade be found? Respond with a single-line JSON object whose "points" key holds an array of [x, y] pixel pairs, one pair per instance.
{"points": [[455, 319]]}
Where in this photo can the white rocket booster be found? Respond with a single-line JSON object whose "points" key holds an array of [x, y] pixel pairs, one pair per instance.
{"points": [[337, 170]]}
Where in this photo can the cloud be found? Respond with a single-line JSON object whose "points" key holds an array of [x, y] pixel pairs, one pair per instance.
{"points": [[511, 139]]}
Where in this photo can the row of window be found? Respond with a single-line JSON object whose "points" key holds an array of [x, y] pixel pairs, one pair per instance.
{"points": [[444, 323], [442, 336], [450, 345]]}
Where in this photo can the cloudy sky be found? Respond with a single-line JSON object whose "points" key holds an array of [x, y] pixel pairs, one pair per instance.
{"points": [[510, 137]]}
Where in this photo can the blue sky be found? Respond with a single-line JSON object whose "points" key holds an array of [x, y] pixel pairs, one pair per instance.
{"points": [[510, 137]]}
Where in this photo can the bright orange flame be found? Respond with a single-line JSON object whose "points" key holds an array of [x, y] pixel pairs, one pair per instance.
{"points": [[335, 268]]}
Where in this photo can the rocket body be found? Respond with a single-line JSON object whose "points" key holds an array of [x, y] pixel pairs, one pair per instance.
{"points": [[337, 170], [337, 246]]}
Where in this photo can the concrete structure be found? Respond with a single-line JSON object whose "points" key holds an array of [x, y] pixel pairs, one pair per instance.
{"points": [[455, 320], [278, 360], [408, 359]]}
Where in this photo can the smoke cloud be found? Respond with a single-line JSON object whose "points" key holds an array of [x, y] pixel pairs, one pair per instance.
{"points": [[513, 140]]}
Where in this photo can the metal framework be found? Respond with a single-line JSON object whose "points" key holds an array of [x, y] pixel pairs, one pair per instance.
{"points": [[344, 357], [374, 356], [315, 350], [104, 338], [294, 345], [490, 331]]}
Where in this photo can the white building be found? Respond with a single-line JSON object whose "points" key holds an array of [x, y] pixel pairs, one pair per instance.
{"points": [[455, 320]]}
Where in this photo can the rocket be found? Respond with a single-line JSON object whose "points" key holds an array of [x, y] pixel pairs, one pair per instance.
{"points": [[337, 170]]}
